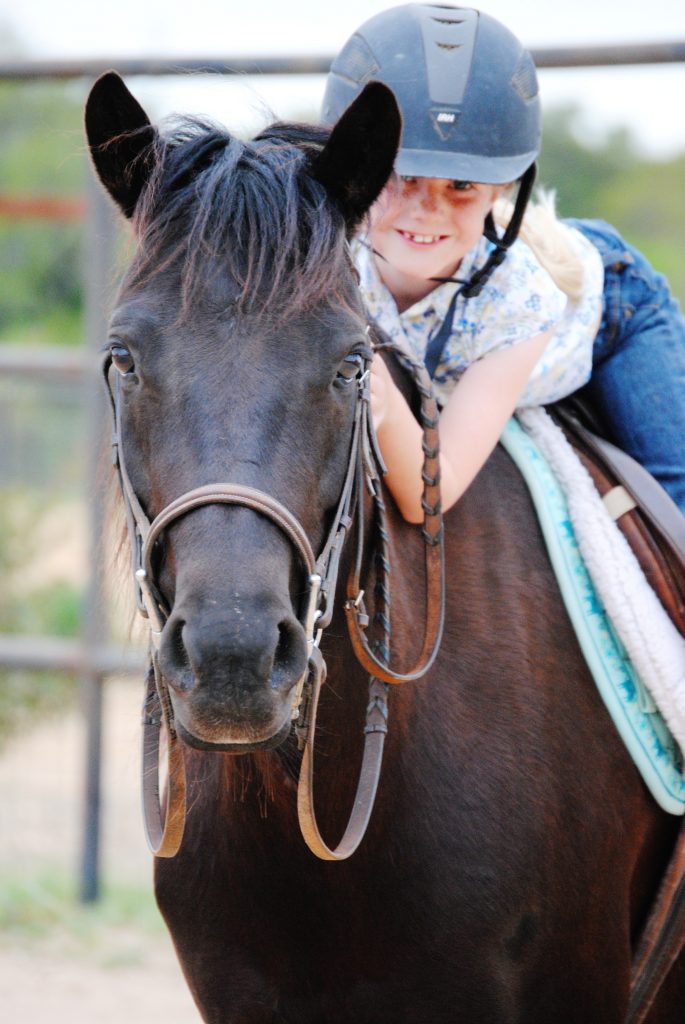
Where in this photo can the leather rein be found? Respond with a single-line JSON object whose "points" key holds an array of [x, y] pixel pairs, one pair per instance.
{"points": [[164, 825]]}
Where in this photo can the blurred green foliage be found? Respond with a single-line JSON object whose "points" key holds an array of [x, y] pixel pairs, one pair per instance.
{"points": [[644, 199], [52, 610], [33, 906], [27, 698], [42, 153]]}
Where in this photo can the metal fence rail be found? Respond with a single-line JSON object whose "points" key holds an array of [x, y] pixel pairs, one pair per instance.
{"points": [[92, 659], [545, 57]]}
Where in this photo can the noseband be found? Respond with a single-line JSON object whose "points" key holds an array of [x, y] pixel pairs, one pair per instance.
{"points": [[164, 827]]}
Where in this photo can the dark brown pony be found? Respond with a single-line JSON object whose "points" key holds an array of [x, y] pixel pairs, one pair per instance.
{"points": [[514, 851]]}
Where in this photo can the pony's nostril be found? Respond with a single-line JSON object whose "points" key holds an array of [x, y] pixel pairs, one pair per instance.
{"points": [[287, 664], [174, 658]]}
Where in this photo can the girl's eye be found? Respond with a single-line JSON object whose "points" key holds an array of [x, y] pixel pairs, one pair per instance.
{"points": [[407, 179], [462, 186], [350, 369], [122, 359]]}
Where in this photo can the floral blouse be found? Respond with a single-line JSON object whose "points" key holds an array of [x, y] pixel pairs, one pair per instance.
{"points": [[518, 301]]}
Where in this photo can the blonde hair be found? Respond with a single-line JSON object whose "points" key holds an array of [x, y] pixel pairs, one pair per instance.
{"points": [[546, 236]]}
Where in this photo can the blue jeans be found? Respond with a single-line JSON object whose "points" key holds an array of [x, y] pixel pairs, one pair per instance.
{"points": [[638, 376]]}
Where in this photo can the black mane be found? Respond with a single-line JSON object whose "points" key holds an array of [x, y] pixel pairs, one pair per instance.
{"points": [[250, 209]]}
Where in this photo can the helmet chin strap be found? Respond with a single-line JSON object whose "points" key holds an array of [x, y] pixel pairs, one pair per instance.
{"points": [[474, 285]]}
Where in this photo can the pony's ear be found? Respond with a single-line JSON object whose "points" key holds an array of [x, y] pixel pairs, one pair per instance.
{"points": [[120, 139], [358, 158]]}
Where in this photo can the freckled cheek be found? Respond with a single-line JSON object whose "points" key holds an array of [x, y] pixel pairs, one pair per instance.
{"points": [[383, 224], [469, 223], [379, 225], [384, 211]]}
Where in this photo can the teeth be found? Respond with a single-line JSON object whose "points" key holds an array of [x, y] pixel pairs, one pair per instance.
{"points": [[422, 239]]}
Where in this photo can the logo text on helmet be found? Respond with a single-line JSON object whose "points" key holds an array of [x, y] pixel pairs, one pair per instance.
{"points": [[443, 121]]}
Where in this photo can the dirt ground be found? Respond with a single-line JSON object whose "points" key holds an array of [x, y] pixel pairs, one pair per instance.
{"points": [[106, 973], [39, 987]]}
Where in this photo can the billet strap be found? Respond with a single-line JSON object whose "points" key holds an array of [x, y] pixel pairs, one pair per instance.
{"points": [[367, 785], [502, 244], [655, 503], [662, 940], [432, 531], [163, 827]]}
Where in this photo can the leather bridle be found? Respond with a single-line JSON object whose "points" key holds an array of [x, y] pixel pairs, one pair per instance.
{"points": [[164, 826]]}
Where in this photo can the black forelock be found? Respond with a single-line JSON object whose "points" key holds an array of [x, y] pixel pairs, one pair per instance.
{"points": [[248, 209]]}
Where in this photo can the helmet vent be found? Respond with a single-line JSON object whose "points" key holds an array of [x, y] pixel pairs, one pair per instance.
{"points": [[448, 44], [355, 62], [524, 80]]}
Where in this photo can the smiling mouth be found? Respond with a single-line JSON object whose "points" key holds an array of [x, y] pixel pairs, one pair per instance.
{"points": [[416, 239]]}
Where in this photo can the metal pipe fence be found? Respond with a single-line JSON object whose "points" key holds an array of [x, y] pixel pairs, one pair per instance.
{"points": [[304, 64], [92, 659]]}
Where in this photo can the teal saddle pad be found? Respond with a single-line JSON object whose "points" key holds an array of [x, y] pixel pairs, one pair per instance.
{"points": [[642, 728]]}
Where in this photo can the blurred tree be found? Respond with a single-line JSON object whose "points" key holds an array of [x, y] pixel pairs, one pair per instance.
{"points": [[43, 153], [611, 180], [40, 261], [648, 204]]}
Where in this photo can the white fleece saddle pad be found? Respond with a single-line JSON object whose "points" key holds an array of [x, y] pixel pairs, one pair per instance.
{"points": [[635, 653]]}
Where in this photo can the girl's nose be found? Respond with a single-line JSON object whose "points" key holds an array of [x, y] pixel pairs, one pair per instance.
{"points": [[427, 195]]}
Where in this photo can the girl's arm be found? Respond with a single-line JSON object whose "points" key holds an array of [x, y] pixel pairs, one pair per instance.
{"points": [[470, 424]]}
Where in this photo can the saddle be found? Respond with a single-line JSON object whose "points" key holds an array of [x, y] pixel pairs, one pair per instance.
{"points": [[655, 530], [662, 937], [648, 518]]}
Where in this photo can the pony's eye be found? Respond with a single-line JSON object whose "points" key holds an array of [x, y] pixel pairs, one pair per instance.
{"points": [[350, 369], [122, 359]]}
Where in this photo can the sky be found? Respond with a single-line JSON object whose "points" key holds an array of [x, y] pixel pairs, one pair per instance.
{"points": [[649, 100]]}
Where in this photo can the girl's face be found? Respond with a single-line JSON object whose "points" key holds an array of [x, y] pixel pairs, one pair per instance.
{"points": [[423, 228]]}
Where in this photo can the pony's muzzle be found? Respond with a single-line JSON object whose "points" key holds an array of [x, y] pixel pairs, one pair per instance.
{"points": [[231, 676]]}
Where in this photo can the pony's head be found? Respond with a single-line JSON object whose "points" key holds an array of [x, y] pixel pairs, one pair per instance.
{"points": [[233, 350]]}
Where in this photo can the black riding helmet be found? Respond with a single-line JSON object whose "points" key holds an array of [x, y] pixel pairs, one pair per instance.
{"points": [[468, 93]]}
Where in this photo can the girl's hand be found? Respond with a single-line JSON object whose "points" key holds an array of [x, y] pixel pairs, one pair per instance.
{"points": [[470, 423], [383, 392]]}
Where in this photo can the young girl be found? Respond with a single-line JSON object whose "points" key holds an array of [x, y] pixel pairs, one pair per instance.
{"points": [[504, 317]]}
